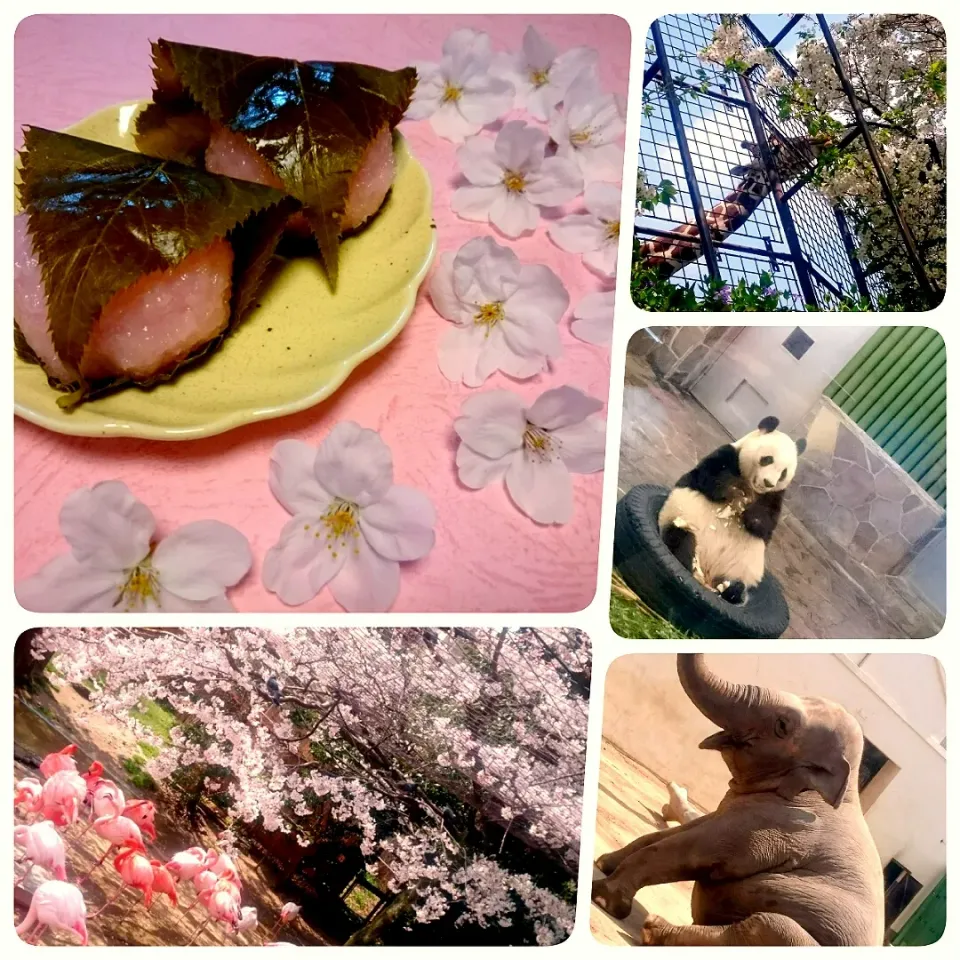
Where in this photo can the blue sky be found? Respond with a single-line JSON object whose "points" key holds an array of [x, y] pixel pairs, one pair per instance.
{"points": [[772, 23]]}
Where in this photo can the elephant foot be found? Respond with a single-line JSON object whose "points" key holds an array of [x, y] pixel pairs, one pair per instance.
{"points": [[610, 901], [655, 931], [666, 811]]}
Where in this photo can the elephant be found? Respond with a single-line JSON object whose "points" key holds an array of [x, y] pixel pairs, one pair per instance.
{"points": [[787, 858]]}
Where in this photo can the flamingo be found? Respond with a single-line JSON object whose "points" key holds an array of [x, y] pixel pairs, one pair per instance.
{"points": [[106, 800], [186, 864], [117, 830], [135, 871], [61, 760], [288, 912], [43, 847], [248, 919], [142, 813], [61, 797], [59, 905], [163, 881], [220, 863], [27, 796], [223, 906]]}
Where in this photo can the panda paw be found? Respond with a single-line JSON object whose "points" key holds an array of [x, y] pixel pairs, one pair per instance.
{"points": [[734, 591]]}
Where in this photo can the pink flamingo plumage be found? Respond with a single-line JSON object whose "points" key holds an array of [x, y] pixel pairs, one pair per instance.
{"points": [[117, 831], [55, 904], [61, 760], [186, 864], [43, 847], [135, 871], [142, 813], [220, 863], [27, 796], [62, 796], [163, 881]]}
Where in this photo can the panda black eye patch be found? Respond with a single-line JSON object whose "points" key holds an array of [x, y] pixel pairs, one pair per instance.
{"points": [[766, 461], [783, 476]]}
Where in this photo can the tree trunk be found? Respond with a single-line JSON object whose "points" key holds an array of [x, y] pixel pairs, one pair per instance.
{"points": [[28, 671], [370, 932]]}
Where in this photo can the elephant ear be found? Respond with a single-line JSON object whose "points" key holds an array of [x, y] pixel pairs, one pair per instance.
{"points": [[830, 783]]}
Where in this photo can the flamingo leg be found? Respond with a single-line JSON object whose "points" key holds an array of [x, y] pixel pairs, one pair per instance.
{"points": [[113, 899], [26, 874], [86, 876], [37, 933], [198, 931]]}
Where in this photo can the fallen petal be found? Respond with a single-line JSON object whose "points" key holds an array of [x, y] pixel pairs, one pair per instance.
{"points": [[492, 423], [513, 214], [562, 407], [353, 463], [368, 583], [541, 488], [578, 233], [593, 318], [292, 478], [302, 562], [581, 445], [200, 560], [65, 586], [400, 526], [476, 471]]}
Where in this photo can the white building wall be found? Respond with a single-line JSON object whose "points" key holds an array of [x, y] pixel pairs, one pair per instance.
{"points": [[648, 716]]}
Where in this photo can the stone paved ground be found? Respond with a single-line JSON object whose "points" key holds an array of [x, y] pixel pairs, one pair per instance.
{"points": [[665, 432]]}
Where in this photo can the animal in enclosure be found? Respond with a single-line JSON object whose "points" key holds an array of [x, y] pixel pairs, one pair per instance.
{"points": [[787, 858], [719, 518], [57, 905], [790, 156]]}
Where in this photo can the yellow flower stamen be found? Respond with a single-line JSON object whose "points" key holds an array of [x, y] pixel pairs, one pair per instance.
{"points": [[451, 94], [538, 442], [140, 588], [514, 181], [341, 522], [580, 137], [489, 315], [539, 77], [613, 230]]}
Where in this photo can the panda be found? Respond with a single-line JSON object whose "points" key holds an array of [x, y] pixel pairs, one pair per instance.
{"points": [[720, 516]]}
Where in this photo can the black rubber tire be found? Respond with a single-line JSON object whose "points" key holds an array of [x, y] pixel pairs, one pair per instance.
{"points": [[658, 578]]}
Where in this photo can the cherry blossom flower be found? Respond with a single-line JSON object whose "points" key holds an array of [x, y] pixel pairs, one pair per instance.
{"points": [[459, 95], [593, 318], [505, 313], [115, 564], [596, 233], [588, 129], [533, 448], [351, 527], [539, 76], [510, 179]]}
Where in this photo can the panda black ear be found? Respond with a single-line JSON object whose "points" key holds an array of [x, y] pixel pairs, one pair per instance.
{"points": [[801, 446], [768, 424]]}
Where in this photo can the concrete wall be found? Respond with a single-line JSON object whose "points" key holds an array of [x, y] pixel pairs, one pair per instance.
{"points": [[899, 700]]}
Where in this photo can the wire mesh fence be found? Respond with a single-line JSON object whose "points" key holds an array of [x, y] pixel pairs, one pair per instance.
{"points": [[702, 126]]}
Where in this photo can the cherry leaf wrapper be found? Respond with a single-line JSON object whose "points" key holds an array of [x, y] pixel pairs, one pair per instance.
{"points": [[310, 121], [100, 217]]}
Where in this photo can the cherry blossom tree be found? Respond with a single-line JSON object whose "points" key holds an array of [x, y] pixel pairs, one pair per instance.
{"points": [[896, 64], [436, 745]]}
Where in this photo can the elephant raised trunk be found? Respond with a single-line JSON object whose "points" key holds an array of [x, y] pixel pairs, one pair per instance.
{"points": [[731, 706]]}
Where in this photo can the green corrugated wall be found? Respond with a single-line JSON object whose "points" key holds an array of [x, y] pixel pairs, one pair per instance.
{"points": [[895, 389]]}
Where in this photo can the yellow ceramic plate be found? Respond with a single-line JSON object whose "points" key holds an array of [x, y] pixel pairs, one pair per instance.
{"points": [[293, 351]]}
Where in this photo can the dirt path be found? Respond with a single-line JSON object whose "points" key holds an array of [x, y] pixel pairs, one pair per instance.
{"points": [[126, 921], [628, 806]]}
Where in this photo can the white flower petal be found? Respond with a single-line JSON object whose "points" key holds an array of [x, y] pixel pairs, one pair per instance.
{"points": [[65, 586], [542, 489], [458, 352], [475, 203], [513, 214], [292, 480], [538, 52], [572, 65], [558, 181], [353, 463], [496, 354], [448, 122], [492, 423], [521, 368], [368, 583], [537, 335], [476, 471], [578, 233], [485, 99], [400, 526], [441, 291], [539, 291], [170, 603], [593, 318], [600, 163], [200, 560], [485, 272], [467, 42], [301, 563], [581, 445], [562, 407], [428, 94], [520, 147], [603, 200], [107, 526], [479, 162], [603, 261], [559, 130]]}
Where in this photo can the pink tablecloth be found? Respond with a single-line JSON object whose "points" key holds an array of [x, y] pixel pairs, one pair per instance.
{"points": [[488, 557]]}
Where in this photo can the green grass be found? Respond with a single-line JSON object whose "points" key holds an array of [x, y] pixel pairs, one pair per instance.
{"points": [[137, 775], [148, 749], [629, 618], [156, 718]]}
